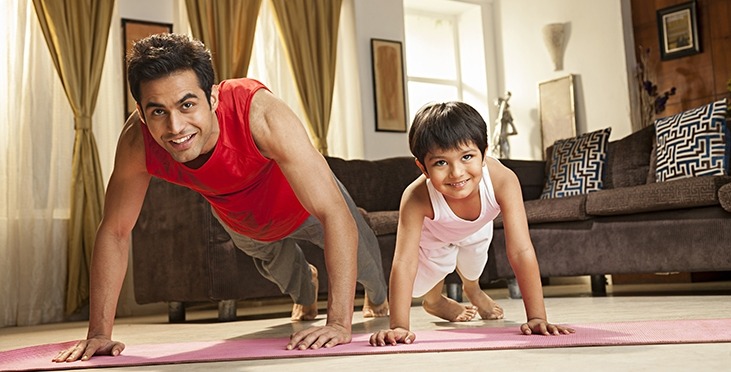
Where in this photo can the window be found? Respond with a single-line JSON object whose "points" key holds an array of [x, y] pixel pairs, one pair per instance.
{"points": [[445, 54]]}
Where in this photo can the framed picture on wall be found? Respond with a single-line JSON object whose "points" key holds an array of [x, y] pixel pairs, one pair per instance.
{"points": [[133, 30], [557, 110], [388, 85], [677, 27]]}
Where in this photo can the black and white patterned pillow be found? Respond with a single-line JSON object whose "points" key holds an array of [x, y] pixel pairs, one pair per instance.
{"points": [[693, 143], [577, 165]]}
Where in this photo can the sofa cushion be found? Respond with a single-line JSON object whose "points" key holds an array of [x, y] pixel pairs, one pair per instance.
{"points": [[683, 193], [693, 143], [382, 222], [724, 196], [570, 208], [577, 165], [628, 159]]}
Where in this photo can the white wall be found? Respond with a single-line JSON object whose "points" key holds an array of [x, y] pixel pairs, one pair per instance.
{"points": [[595, 53], [379, 19]]}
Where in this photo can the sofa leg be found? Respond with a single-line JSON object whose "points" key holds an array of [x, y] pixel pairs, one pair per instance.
{"points": [[454, 291], [226, 310], [176, 312], [598, 285], [514, 289]]}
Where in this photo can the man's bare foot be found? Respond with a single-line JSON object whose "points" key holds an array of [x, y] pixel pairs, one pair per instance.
{"points": [[486, 306], [450, 310], [371, 310], [307, 312]]}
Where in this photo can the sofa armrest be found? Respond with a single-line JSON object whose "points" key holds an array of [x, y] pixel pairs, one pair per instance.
{"points": [[531, 174]]}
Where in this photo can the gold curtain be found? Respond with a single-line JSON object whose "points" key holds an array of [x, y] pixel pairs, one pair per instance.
{"points": [[310, 31], [227, 28], [76, 33]]}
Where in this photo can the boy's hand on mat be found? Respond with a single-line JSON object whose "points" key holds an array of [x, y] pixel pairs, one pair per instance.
{"points": [[543, 327], [85, 349], [317, 337], [392, 337]]}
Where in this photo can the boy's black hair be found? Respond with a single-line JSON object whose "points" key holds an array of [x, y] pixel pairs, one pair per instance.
{"points": [[160, 55], [446, 126]]}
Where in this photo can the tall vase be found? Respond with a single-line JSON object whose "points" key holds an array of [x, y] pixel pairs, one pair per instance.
{"points": [[554, 35]]}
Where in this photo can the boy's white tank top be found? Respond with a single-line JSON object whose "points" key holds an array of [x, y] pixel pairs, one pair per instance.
{"points": [[447, 228]]}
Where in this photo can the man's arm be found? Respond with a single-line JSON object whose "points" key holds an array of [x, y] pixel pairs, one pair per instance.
{"points": [[123, 201], [280, 136], [520, 251]]}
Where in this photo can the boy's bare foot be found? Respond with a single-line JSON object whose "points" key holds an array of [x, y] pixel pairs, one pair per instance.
{"points": [[486, 306], [450, 310], [371, 310], [307, 312]]}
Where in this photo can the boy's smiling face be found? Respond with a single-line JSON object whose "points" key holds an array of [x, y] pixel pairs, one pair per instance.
{"points": [[456, 173]]}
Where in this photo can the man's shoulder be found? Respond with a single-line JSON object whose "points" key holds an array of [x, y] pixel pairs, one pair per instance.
{"points": [[240, 84], [236, 93], [131, 140], [132, 129]]}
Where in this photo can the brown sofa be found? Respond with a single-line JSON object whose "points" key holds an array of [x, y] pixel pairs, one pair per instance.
{"points": [[632, 225], [182, 255]]}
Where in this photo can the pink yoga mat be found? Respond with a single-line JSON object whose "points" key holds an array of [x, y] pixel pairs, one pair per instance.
{"points": [[598, 334]]}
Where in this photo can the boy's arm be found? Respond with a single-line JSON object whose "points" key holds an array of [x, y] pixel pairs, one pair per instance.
{"points": [[280, 136], [520, 251], [123, 201], [403, 271]]}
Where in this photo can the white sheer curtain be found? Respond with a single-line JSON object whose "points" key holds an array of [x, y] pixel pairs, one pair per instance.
{"points": [[345, 138], [269, 65], [36, 141], [36, 144], [109, 116]]}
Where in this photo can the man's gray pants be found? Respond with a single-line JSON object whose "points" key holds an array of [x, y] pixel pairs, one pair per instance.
{"points": [[284, 263]]}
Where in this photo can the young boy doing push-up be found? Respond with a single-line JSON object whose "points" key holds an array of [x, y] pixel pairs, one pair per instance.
{"points": [[445, 223]]}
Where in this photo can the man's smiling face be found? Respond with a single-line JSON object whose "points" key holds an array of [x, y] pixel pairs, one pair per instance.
{"points": [[179, 117]]}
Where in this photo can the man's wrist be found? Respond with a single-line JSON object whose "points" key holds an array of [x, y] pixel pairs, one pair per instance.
{"points": [[338, 321], [346, 327], [99, 332]]}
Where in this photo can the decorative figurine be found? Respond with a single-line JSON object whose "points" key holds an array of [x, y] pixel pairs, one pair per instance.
{"points": [[503, 128]]}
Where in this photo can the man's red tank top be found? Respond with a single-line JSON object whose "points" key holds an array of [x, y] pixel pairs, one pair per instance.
{"points": [[247, 190]]}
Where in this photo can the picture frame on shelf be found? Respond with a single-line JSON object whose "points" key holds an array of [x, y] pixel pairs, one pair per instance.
{"points": [[388, 85], [677, 28], [132, 31]]}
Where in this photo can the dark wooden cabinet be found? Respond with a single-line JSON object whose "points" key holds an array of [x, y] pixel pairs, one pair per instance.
{"points": [[700, 78]]}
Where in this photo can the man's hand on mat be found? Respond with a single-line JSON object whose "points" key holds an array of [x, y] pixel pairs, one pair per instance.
{"points": [[543, 327], [392, 337], [317, 337], [85, 349]]}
